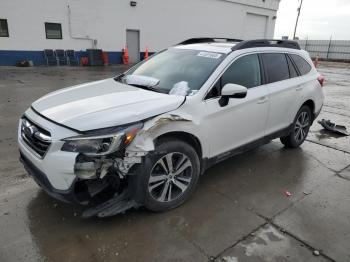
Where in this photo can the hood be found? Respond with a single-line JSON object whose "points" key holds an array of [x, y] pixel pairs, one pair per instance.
{"points": [[104, 103]]}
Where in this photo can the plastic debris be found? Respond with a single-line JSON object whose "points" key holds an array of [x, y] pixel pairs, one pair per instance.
{"points": [[193, 92], [140, 80], [338, 129], [229, 259], [287, 193], [180, 89]]}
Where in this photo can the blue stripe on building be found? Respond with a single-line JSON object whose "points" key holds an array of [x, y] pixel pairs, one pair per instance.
{"points": [[11, 57]]}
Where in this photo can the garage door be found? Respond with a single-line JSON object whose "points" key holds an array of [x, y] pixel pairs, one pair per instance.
{"points": [[255, 26]]}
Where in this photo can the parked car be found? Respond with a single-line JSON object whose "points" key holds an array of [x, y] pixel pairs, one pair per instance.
{"points": [[144, 137]]}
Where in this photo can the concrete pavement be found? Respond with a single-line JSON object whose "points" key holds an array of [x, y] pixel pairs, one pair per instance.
{"points": [[240, 211]]}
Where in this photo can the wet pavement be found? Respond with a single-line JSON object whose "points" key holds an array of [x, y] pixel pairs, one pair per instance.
{"points": [[241, 210]]}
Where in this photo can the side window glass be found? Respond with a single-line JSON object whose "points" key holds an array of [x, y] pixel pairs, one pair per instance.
{"points": [[215, 91], [244, 71], [292, 71], [303, 66], [276, 67]]}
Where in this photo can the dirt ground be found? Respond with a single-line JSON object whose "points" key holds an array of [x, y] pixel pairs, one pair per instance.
{"points": [[240, 211]]}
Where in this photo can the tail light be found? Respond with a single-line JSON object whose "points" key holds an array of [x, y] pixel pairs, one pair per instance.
{"points": [[321, 80]]}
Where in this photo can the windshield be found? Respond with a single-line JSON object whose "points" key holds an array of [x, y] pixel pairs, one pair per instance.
{"points": [[179, 71]]}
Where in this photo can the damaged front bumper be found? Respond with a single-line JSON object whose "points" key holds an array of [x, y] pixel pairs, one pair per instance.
{"points": [[103, 197], [41, 179], [101, 183]]}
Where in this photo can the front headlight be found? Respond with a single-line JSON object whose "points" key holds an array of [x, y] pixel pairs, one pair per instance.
{"points": [[101, 142]]}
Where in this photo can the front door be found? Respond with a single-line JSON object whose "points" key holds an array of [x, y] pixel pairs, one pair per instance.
{"points": [[133, 44], [242, 120]]}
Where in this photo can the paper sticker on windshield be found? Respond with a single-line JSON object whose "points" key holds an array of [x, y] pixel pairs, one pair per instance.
{"points": [[209, 55]]}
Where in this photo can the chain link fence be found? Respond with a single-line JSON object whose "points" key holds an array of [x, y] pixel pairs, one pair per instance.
{"points": [[337, 50]]}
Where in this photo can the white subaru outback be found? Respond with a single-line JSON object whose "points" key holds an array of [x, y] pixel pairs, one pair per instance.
{"points": [[144, 137]]}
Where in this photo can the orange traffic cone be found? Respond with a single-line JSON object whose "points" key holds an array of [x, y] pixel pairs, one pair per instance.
{"points": [[146, 54], [125, 56]]}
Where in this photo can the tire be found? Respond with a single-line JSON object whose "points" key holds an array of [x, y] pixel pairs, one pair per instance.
{"points": [[300, 128], [154, 176]]}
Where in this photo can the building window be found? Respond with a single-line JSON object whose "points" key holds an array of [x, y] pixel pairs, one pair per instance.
{"points": [[4, 31], [53, 31]]}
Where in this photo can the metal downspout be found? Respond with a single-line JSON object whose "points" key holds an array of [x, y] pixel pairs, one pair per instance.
{"points": [[75, 37]]}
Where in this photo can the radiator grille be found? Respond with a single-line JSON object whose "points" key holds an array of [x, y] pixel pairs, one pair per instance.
{"points": [[35, 137]]}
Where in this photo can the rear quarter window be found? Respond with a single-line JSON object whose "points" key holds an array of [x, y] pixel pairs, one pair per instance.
{"points": [[292, 71], [276, 67], [303, 66]]}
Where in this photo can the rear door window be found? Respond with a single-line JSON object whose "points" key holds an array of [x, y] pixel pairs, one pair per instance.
{"points": [[303, 66], [276, 67]]}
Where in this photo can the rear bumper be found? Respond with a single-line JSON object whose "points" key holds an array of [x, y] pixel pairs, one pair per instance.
{"points": [[41, 179]]}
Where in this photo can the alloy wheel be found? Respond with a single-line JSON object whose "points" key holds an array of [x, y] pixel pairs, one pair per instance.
{"points": [[301, 127], [170, 177]]}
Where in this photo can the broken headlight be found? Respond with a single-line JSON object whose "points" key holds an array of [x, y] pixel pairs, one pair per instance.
{"points": [[101, 142]]}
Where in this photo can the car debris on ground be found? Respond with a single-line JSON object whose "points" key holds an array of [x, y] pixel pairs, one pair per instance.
{"points": [[329, 126]]}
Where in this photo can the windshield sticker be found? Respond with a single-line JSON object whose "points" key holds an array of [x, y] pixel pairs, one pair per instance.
{"points": [[209, 55]]}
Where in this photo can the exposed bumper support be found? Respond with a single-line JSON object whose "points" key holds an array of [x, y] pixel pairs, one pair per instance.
{"points": [[116, 205]]}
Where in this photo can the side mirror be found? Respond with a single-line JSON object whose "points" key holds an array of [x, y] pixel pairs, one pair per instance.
{"points": [[232, 91]]}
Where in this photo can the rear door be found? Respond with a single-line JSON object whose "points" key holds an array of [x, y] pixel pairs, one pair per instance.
{"points": [[282, 89], [243, 120]]}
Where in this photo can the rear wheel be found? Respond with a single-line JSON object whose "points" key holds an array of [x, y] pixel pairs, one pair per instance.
{"points": [[170, 175], [300, 128]]}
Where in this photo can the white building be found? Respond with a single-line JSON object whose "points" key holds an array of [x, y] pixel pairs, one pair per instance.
{"points": [[28, 27]]}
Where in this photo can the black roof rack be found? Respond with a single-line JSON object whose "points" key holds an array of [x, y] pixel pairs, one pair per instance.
{"points": [[199, 40], [266, 43]]}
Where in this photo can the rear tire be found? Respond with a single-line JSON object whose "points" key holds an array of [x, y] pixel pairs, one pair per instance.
{"points": [[300, 128], [169, 175]]}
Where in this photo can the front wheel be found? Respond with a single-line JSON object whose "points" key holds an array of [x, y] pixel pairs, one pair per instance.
{"points": [[170, 175], [300, 128]]}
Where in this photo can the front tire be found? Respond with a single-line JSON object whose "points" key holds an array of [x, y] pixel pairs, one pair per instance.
{"points": [[169, 175], [300, 128]]}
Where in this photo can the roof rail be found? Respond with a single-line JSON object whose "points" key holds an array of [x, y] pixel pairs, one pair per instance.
{"points": [[266, 43], [199, 40]]}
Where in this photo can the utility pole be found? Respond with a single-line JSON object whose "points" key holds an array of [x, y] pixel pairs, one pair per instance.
{"points": [[296, 22]]}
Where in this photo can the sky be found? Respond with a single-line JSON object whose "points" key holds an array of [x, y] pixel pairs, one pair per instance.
{"points": [[319, 19]]}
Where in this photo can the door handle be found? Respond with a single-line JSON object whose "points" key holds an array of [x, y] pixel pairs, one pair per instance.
{"points": [[299, 87], [263, 100]]}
